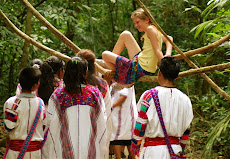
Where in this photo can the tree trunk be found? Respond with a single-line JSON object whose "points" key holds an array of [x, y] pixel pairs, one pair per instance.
{"points": [[26, 46], [32, 41], [58, 34], [11, 72]]}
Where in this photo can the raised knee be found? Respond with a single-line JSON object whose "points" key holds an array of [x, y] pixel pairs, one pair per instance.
{"points": [[105, 54], [126, 33]]}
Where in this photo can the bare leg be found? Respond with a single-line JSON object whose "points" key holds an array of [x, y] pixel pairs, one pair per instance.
{"points": [[130, 153], [127, 40], [117, 151], [110, 59]]}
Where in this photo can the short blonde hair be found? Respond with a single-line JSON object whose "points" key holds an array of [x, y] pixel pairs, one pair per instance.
{"points": [[139, 13]]}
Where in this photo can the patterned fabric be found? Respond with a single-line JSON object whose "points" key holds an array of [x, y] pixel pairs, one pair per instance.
{"points": [[184, 139], [104, 86], [77, 125], [20, 112], [177, 113], [31, 133], [158, 108], [59, 83], [104, 89], [86, 98], [128, 70], [140, 126]]}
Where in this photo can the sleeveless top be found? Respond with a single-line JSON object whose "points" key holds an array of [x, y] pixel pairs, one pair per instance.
{"points": [[147, 58]]}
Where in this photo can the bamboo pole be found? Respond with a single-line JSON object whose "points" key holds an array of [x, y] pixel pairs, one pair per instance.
{"points": [[205, 48], [190, 63], [206, 69], [58, 34], [32, 41], [191, 72]]}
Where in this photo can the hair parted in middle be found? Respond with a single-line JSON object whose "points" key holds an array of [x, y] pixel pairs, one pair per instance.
{"points": [[75, 74]]}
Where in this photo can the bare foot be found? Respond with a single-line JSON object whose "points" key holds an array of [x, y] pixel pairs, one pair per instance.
{"points": [[102, 63]]}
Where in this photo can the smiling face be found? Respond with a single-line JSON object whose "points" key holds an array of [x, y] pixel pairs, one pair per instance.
{"points": [[141, 24]]}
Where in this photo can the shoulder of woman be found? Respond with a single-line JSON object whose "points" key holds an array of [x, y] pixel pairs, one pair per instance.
{"points": [[151, 30]]}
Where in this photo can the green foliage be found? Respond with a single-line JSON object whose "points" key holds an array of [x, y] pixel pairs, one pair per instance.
{"points": [[218, 25], [97, 24], [211, 125], [215, 136]]}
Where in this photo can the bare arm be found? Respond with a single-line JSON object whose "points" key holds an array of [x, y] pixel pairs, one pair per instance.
{"points": [[119, 101], [168, 45], [152, 34]]}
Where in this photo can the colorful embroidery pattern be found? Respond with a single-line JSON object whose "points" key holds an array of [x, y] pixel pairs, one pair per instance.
{"points": [[14, 107], [93, 117], [103, 87], [123, 70], [119, 124], [17, 101], [10, 116], [89, 96], [140, 127], [128, 70], [184, 139], [31, 133]]}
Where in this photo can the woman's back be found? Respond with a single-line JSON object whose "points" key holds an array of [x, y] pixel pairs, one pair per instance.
{"points": [[77, 124]]}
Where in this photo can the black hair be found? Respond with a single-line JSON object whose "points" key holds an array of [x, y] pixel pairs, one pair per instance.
{"points": [[91, 75], [75, 74], [55, 63], [28, 77], [49, 68], [36, 63], [170, 67]]}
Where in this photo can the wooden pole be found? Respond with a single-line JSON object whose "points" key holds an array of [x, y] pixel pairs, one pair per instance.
{"points": [[190, 72], [32, 41], [205, 48], [190, 63], [58, 34]]}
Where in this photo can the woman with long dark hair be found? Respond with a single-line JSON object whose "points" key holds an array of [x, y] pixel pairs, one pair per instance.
{"points": [[76, 117]]}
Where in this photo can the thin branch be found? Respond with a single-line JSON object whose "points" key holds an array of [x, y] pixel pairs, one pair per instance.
{"points": [[58, 34], [205, 48], [192, 72], [32, 41]]}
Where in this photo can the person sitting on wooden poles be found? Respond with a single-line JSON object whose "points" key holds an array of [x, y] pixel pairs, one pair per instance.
{"points": [[140, 62]]}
